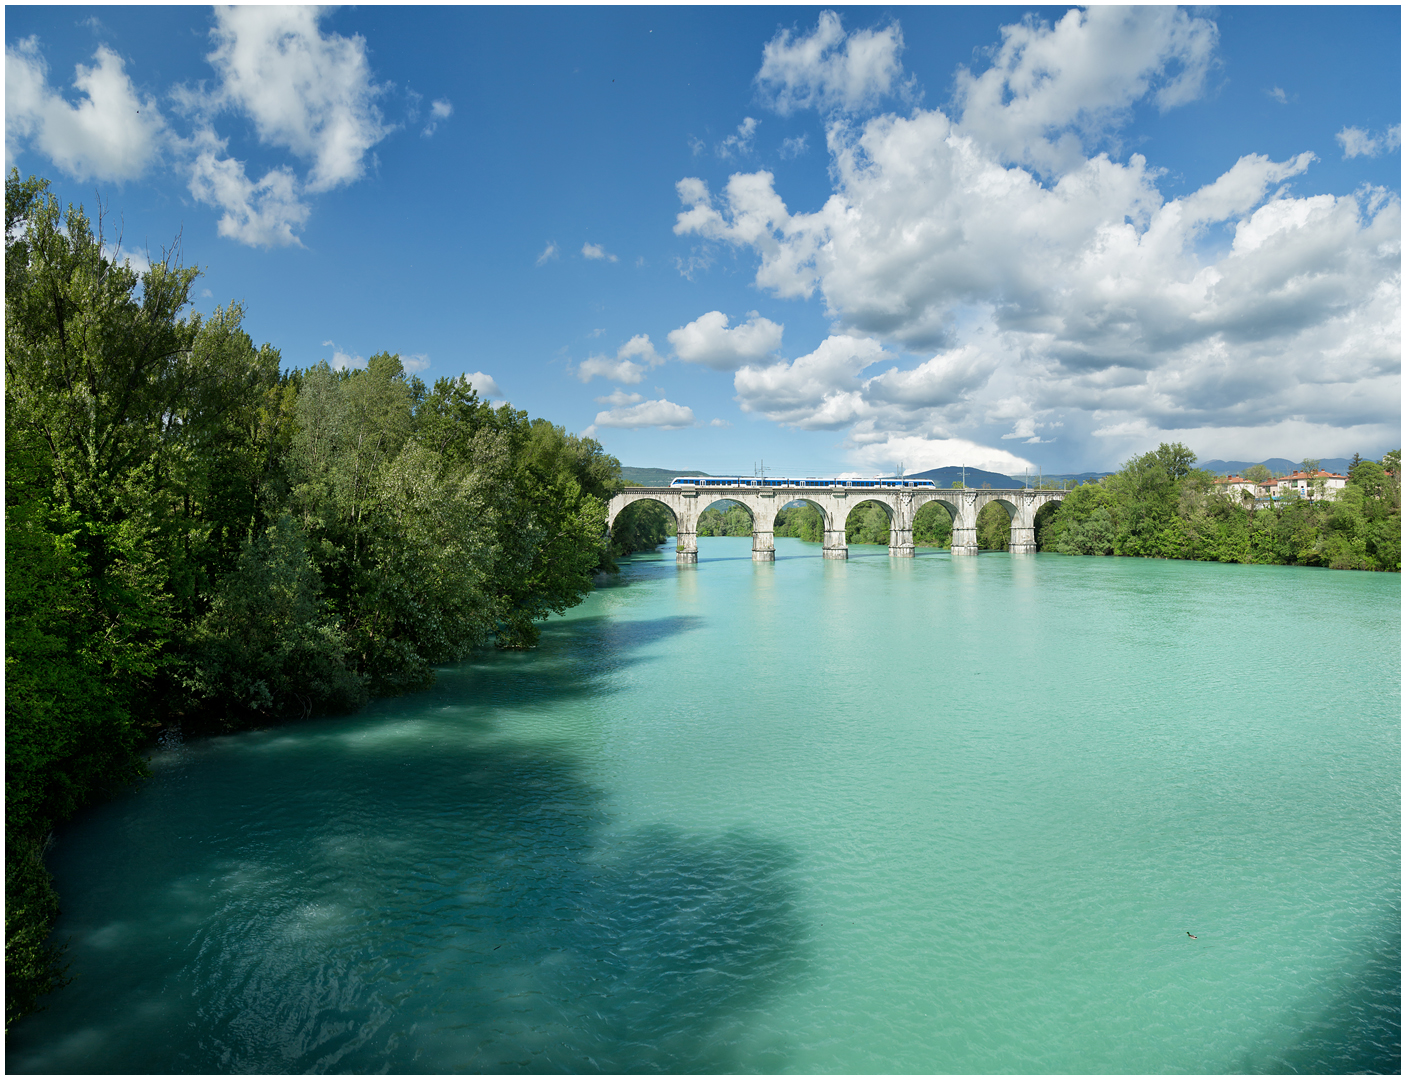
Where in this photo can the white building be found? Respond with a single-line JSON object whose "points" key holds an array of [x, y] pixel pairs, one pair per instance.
{"points": [[1306, 486]]}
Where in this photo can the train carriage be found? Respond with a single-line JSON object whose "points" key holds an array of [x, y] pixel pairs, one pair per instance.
{"points": [[801, 482]]}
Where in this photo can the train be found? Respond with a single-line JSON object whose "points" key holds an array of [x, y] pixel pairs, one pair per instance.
{"points": [[792, 481]]}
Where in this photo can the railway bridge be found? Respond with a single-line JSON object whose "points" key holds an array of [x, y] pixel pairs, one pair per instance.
{"points": [[834, 500]]}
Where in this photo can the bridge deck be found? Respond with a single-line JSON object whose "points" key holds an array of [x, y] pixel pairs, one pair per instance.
{"points": [[699, 488]]}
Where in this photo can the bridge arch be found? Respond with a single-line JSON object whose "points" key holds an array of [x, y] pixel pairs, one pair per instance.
{"points": [[628, 498], [998, 537], [1041, 518], [858, 531], [933, 518], [724, 507], [620, 519], [799, 530]]}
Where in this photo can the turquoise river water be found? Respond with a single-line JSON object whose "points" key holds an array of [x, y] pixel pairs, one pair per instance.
{"points": [[925, 815]]}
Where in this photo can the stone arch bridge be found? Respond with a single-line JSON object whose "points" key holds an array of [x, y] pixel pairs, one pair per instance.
{"points": [[835, 501]]}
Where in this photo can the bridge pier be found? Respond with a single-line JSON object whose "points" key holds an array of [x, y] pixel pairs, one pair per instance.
{"points": [[964, 540], [901, 527], [835, 545], [1022, 540], [763, 545], [687, 547]]}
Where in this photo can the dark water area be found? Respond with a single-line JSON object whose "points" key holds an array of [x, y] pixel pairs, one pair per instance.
{"points": [[925, 815]]}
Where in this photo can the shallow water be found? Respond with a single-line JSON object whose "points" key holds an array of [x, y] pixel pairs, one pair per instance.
{"points": [[879, 816]]}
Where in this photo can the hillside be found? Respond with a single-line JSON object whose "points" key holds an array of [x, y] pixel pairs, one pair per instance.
{"points": [[949, 474], [653, 477], [1276, 465]]}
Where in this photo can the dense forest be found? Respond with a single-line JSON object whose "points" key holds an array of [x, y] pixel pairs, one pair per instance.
{"points": [[1160, 505], [200, 540]]}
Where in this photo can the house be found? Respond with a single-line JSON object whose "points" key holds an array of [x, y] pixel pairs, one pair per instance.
{"points": [[1231, 484], [1306, 486]]}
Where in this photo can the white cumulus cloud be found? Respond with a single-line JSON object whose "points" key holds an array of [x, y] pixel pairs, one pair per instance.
{"points": [[485, 386], [439, 110], [265, 213], [1358, 142], [111, 133], [629, 364], [595, 251], [1051, 91], [818, 390], [739, 143], [620, 397], [661, 414], [301, 90], [919, 453], [828, 69], [342, 361], [708, 341], [309, 92], [1030, 268]]}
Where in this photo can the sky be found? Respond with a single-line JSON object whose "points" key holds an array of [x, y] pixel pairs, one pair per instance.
{"points": [[823, 241]]}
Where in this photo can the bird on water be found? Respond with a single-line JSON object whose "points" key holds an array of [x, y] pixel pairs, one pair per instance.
{"points": [[1191, 935]]}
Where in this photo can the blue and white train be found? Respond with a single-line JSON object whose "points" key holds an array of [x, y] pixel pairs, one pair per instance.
{"points": [[791, 481]]}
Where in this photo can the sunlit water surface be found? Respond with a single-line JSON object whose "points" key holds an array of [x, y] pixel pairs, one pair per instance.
{"points": [[886, 816]]}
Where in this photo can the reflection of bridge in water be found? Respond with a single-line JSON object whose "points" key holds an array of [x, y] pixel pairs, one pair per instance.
{"points": [[834, 503]]}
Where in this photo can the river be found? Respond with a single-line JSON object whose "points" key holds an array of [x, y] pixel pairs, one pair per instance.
{"points": [[926, 815]]}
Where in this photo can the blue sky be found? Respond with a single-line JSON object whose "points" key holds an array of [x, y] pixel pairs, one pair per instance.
{"points": [[831, 239]]}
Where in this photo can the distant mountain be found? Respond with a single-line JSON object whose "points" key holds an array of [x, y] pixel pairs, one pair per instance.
{"points": [[975, 477], [653, 477], [1274, 465], [1079, 478]]}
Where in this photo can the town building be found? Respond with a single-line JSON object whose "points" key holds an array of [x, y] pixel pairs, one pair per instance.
{"points": [[1304, 485]]}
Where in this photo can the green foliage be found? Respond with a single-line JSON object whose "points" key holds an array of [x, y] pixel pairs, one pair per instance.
{"points": [[196, 537], [1159, 506], [932, 525], [33, 966], [993, 528], [70, 679], [641, 526], [268, 647], [725, 518], [867, 523], [802, 521], [1258, 473]]}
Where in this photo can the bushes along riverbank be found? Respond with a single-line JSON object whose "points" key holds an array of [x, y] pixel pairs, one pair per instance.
{"points": [[197, 538]]}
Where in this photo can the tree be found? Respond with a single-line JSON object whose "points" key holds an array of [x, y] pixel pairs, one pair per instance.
{"points": [[932, 525], [867, 523], [563, 483], [802, 520], [1259, 474], [993, 528], [1176, 459], [126, 450], [268, 647]]}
